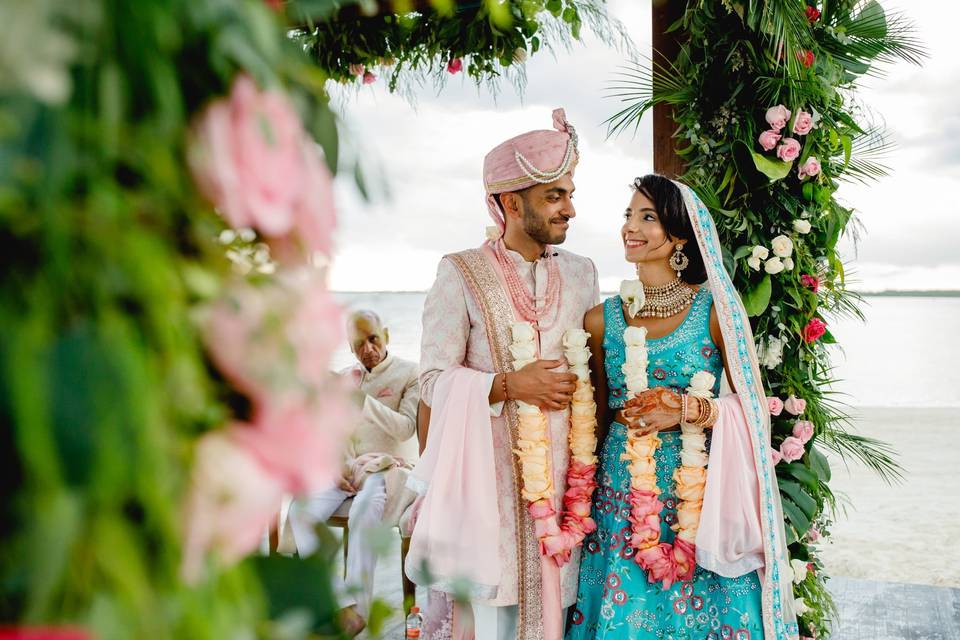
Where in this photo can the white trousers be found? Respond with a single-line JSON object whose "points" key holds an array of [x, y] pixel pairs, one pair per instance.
{"points": [[494, 623], [366, 514]]}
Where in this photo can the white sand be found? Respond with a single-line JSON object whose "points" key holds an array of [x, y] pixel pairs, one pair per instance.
{"points": [[908, 532]]}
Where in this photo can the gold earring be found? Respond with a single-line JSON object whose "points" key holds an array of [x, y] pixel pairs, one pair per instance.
{"points": [[679, 260]]}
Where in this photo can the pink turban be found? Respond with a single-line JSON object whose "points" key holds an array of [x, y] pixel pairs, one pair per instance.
{"points": [[535, 157]]}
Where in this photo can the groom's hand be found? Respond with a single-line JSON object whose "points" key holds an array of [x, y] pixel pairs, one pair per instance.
{"points": [[539, 385]]}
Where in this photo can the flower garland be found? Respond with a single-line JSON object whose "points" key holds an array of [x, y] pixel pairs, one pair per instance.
{"points": [[663, 562], [557, 540]]}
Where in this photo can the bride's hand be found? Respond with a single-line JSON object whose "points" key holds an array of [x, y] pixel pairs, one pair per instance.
{"points": [[653, 410]]}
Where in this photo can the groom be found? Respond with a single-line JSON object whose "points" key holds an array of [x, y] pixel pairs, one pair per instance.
{"points": [[518, 275]]}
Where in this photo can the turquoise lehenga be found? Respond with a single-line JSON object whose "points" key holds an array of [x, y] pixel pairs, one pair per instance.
{"points": [[615, 599]]}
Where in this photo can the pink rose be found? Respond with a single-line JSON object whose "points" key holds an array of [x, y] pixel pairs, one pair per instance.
{"points": [[791, 449], [803, 430], [369, 77], [775, 405], [768, 139], [789, 150], [814, 330], [803, 123], [794, 405], [684, 558], [251, 158], [811, 282], [809, 168], [357, 69], [658, 563], [813, 534], [454, 66], [274, 342], [232, 499], [775, 456], [777, 117], [806, 58]]}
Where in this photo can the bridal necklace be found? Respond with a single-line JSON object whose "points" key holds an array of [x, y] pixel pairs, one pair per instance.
{"points": [[666, 300]]}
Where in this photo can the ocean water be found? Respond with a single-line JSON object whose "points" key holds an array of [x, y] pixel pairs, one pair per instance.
{"points": [[906, 354]]}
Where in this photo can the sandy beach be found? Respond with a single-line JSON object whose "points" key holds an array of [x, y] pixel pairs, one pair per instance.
{"points": [[906, 532]]}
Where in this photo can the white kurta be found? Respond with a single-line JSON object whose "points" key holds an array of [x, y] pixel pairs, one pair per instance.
{"points": [[454, 334]]}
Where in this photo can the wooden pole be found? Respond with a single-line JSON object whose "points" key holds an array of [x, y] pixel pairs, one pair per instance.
{"points": [[665, 49]]}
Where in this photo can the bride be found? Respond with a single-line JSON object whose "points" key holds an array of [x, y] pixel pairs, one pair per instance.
{"points": [[690, 540]]}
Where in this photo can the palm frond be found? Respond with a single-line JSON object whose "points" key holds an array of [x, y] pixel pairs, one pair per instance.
{"points": [[867, 154], [869, 34], [872, 453], [786, 26], [643, 85]]}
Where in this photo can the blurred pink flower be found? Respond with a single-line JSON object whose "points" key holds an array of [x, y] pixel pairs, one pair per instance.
{"points": [[813, 534], [806, 58], [455, 66], [300, 444], [357, 69], [803, 123], [252, 159], [794, 405], [791, 449], [777, 117], [775, 456], [232, 500], [369, 77], [775, 405], [803, 430], [274, 341], [789, 150], [769, 139], [810, 167]]}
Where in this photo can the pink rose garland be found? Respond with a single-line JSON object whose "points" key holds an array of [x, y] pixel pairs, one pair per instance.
{"points": [[252, 159]]}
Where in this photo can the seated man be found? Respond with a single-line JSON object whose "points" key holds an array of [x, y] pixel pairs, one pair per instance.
{"points": [[383, 442]]}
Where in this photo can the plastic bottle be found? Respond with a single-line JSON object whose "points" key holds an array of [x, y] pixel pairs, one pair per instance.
{"points": [[414, 623]]}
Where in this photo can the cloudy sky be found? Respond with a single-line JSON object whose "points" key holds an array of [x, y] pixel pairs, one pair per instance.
{"points": [[426, 156]]}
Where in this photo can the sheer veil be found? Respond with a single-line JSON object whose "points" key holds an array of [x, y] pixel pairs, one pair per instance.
{"points": [[741, 356]]}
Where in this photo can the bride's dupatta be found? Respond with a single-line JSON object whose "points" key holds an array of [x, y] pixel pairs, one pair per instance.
{"points": [[741, 444]]}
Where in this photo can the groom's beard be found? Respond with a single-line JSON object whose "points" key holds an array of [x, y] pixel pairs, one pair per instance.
{"points": [[542, 230]]}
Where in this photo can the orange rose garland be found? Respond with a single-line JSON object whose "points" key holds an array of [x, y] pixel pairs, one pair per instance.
{"points": [[533, 451], [663, 562]]}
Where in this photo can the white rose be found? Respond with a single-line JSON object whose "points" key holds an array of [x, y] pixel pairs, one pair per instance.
{"points": [[635, 336], [701, 384], [631, 292], [799, 570], [801, 226], [782, 246], [523, 350], [771, 353], [527, 409], [578, 356], [800, 606], [694, 441], [754, 263], [523, 332], [760, 252], [637, 382], [788, 264], [575, 339], [582, 371], [636, 356], [773, 266], [693, 458]]}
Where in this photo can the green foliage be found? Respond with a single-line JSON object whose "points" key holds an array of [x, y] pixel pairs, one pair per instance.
{"points": [[104, 384], [737, 59], [414, 43]]}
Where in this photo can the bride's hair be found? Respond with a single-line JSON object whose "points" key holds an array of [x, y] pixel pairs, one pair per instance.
{"points": [[668, 201]]}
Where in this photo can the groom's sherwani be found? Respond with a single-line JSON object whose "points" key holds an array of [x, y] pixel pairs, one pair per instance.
{"points": [[455, 333]]}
